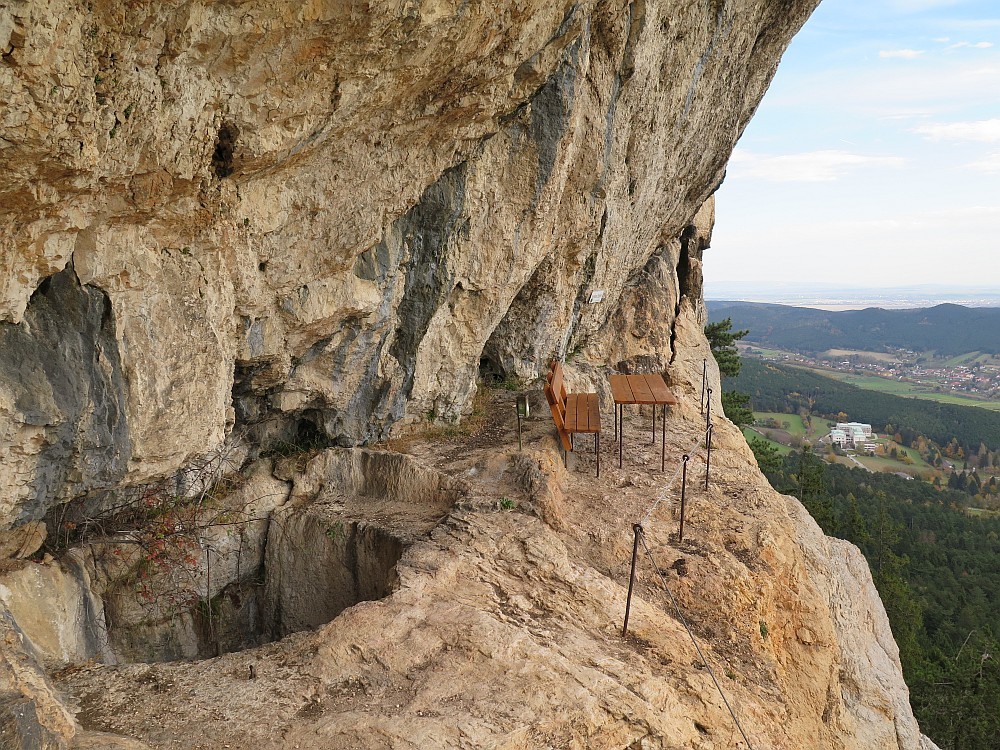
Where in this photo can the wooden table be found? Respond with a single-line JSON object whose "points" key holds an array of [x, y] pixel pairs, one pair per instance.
{"points": [[640, 389]]}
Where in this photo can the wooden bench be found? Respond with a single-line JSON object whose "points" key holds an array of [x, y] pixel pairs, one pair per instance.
{"points": [[573, 412]]}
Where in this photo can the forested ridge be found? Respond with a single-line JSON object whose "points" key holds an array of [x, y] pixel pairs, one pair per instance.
{"points": [[937, 570], [782, 388], [934, 560], [946, 329]]}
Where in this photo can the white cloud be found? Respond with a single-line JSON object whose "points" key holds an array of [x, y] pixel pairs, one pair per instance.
{"points": [[810, 166], [990, 164], [942, 39], [905, 54], [911, 6], [970, 45], [978, 130], [882, 90]]}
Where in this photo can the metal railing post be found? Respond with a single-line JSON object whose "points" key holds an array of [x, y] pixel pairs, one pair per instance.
{"points": [[704, 382], [637, 530], [684, 481], [708, 454]]}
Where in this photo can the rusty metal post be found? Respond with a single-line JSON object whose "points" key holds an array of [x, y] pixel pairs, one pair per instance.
{"points": [[708, 410], [523, 410], [704, 382], [684, 481], [708, 454], [637, 530]]}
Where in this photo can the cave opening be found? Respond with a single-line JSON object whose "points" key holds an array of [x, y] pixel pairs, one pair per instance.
{"points": [[318, 567], [164, 573], [490, 372]]}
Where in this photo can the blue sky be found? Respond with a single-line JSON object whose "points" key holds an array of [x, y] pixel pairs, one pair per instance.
{"points": [[874, 159]]}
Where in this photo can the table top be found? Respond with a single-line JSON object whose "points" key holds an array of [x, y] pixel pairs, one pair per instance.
{"points": [[640, 389]]}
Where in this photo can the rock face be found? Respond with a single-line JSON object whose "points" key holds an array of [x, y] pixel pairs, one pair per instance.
{"points": [[502, 625], [312, 219], [230, 231]]}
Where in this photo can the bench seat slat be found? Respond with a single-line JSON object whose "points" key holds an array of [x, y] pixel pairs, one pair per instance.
{"points": [[583, 412]]}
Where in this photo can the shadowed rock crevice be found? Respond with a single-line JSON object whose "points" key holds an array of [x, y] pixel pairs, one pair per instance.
{"points": [[550, 117], [225, 148], [427, 232], [62, 362]]}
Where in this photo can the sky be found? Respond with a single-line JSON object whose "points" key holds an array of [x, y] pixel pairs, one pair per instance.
{"points": [[874, 158]]}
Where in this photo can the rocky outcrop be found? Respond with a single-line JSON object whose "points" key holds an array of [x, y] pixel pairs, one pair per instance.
{"points": [[290, 220], [233, 231], [502, 624]]}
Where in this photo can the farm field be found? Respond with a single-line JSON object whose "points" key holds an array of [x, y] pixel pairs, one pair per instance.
{"points": [[763, 351], [795, 427], [750, 432], [876, 356], [878, 463], [796, 430], [967, 359], [982, 512], [901, 388]]}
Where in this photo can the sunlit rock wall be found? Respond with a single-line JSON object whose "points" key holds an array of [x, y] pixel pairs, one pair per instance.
{"points": [[321, 217]]}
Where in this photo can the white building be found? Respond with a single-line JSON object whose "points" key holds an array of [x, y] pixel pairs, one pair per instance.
{"points": [[851, 435], [849, 426]]}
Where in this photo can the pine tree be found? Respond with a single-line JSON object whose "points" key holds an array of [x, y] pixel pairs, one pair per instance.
{"points": [[723, 340]]}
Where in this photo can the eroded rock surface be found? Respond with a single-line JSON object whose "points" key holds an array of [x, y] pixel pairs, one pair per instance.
{"points": [[229, 231], [316, 219], [503, 628]]}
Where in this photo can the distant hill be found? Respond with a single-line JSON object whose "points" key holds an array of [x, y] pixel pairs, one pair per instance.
{"points": [[946, 329]]}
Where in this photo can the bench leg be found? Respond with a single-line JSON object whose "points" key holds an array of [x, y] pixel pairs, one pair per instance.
{"points": [[654, 424], [597, 450]]}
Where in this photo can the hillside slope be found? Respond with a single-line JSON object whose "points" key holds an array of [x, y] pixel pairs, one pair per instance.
{"points": [[946, 329]]}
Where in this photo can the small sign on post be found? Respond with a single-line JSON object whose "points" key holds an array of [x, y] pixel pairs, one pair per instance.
{"points": [[523, 410]]}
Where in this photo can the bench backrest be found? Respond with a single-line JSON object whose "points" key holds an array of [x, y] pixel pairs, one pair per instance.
{"points": [[555, 394], [555, 378]]}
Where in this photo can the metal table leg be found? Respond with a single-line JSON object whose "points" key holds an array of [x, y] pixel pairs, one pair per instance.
{"points": [[621, 434], [663, 438]]}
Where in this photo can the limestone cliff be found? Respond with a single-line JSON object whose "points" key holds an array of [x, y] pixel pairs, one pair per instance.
{"points": [[321, 216], [227, 228]]}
